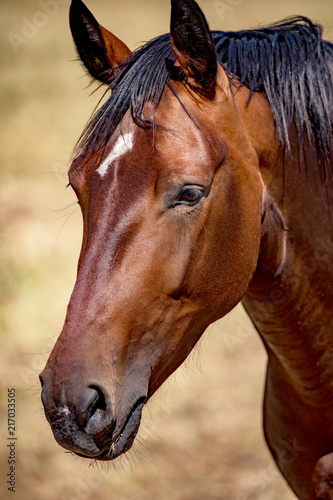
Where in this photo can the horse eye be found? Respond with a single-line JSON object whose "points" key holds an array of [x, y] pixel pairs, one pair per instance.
{"points": [[189, 196]]}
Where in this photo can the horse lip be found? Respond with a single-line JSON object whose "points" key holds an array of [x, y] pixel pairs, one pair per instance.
{"points": [[67, 434], [122, 440], [111, 446]]}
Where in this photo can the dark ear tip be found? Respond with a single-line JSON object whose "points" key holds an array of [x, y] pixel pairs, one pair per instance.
{"points": [[75, 4], [190, 4], [78, 13], [74, 9], [77, 8]]}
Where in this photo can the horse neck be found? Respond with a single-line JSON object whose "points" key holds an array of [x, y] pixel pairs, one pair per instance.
{"points": [[289, 296]]}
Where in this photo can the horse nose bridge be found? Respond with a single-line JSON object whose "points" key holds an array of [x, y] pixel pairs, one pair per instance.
{"points": [[111, 237], [102, 284], [105, 300], [117, 250]]}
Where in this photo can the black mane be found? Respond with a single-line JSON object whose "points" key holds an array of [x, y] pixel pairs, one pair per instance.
{"points": [[288, 62]]}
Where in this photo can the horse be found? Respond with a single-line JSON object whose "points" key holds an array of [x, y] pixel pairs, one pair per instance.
{"points": [[204, 180]]}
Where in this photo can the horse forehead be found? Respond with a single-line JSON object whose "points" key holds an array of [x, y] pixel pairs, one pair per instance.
{"points": [[177, 141], [185, 135], [128, 151], [128, 169]]}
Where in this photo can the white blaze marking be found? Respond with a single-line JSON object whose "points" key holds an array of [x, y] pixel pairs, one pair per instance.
{"points": [[122, 146]]}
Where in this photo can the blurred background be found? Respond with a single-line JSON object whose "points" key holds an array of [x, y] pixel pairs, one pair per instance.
{"points": [[201, 436]]}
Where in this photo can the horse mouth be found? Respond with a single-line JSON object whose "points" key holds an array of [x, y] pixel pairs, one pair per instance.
{"points": [[107, 445], [114, 444]]}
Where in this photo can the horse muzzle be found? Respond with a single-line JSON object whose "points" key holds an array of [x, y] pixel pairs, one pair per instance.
{"points": [[86, 422]]}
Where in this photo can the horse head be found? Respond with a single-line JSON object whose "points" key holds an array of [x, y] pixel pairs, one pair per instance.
{"points": [[172, 203]]}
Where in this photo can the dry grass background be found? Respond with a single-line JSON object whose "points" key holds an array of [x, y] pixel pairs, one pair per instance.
{"points": [[201, 437]]}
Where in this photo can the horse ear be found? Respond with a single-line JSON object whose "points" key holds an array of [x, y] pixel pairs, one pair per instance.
{"points": [[193, 44], [99, 50]]}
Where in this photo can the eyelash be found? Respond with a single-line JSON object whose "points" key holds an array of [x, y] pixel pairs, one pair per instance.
{"points": [[189, 196]]}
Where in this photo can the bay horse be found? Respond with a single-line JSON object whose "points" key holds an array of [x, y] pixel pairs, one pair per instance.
{"points": [[205, 179]]}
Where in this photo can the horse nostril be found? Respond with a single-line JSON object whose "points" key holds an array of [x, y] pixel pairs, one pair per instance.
{"points": [[86, 408], [99, 402], [97, 413]]}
